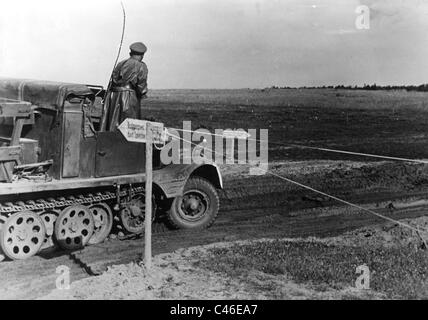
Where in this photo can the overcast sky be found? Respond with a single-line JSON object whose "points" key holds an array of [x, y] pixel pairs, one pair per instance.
{"points": [[218, 44]]}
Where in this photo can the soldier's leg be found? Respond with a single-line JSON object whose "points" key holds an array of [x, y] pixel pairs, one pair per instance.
{"points": [[115, 111]]}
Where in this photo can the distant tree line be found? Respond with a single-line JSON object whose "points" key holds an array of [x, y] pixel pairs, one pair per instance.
{"points": [[422, 87]]}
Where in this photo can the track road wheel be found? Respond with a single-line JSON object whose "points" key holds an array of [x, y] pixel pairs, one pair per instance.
{"points": [[22, 235], [197, 207], [74, 227], [103, 222], [132, 215]]}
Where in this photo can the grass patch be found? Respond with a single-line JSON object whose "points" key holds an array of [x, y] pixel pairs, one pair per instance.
{"points": [[399, 273]]}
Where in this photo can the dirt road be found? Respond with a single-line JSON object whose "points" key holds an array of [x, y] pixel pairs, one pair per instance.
{"points": [[388, 123], [268, 215]]}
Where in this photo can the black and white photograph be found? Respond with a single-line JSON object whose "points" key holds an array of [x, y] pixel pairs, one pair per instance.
{"points": [[213, 155]]}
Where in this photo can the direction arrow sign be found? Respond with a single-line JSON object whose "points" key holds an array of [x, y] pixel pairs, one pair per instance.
{"points": [[134, 130]]}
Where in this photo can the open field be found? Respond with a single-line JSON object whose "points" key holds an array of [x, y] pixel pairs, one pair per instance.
{"points": [[254, 207], [380, 122]]}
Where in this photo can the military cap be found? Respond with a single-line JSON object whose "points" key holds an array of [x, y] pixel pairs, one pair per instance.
{"points": [[138, 47]]}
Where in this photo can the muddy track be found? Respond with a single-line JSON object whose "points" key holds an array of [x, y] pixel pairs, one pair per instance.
{"points": [[37, 276], [251, 207], [268, 207]]}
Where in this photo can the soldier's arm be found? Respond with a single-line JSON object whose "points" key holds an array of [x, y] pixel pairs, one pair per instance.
{"points": [[116, 73], [142, 82]]}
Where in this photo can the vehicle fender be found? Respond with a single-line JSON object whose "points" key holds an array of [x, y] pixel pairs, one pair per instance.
{"points": [[172, 178]]}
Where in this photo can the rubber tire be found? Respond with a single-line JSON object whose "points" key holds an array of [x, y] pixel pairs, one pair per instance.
{"points": [[177, 222]]}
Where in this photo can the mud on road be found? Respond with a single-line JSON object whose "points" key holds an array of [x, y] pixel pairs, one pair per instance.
{"points": [[282, 268], [252, 207], [391, 123]]}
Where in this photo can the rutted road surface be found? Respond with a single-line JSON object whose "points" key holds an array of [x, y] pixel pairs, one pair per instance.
{"points": [[264, 208]]}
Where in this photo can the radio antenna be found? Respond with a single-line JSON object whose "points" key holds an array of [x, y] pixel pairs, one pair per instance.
{"points": [[121, 38], [103, 124]]}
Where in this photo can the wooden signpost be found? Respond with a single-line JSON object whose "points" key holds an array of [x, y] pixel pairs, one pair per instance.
{"points": [[148, 218], [145, 132]]}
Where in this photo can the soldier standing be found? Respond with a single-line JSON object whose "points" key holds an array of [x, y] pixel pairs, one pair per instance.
{"points": [[128, 88]]}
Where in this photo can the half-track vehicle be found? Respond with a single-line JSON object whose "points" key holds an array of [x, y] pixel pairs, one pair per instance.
{"points": [[65, 183]]}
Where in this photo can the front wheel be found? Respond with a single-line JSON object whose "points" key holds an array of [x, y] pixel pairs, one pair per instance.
{"points": [[197, 207]]}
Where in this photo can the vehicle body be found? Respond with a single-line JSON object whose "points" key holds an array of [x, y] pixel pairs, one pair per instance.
{"points": [[68, 182]]}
